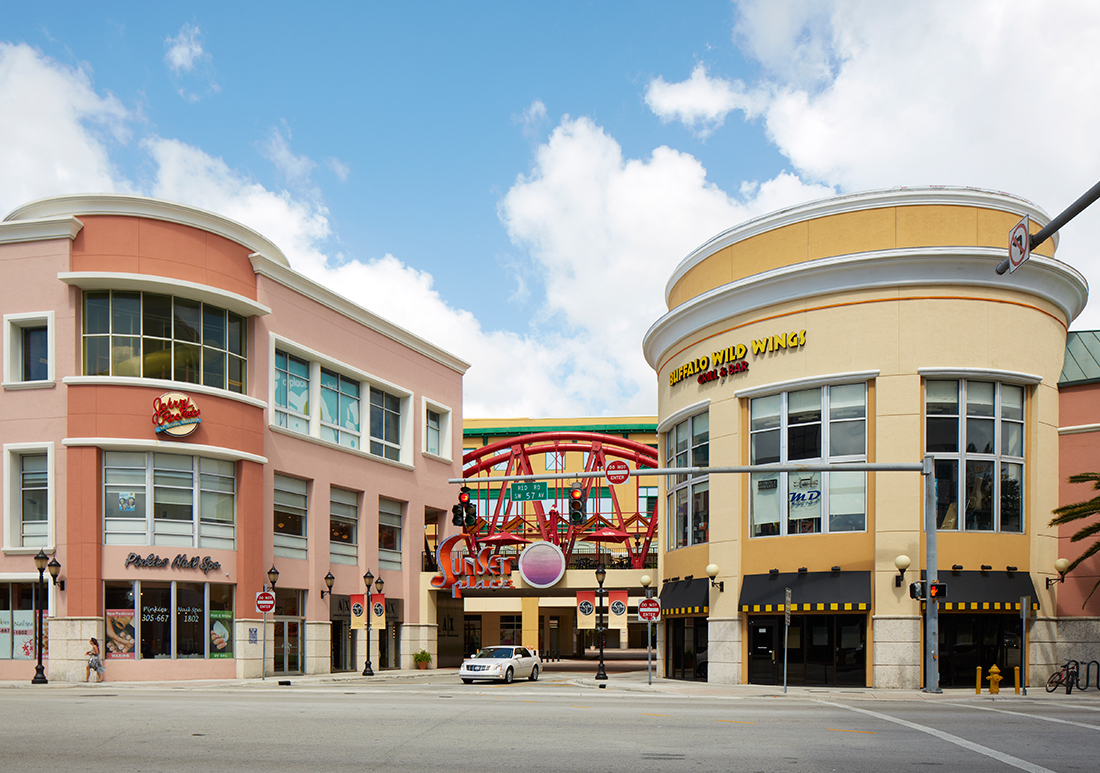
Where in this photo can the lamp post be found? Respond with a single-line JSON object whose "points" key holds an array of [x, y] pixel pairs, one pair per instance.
{"points": [[272, 577], [646, 581], [601, 575], [368, 580], [329, 580], [40, 561]]}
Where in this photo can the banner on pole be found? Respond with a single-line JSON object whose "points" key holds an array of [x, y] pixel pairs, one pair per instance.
{"points": [[617, 606], [358, 610], [378, 610], [586, 609]]}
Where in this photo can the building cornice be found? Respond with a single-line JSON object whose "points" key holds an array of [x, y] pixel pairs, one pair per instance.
{"points": [[124, 205], [290, 278], [109, 280], [858, 202], [40, 230], [139, 444], [933, 267]]}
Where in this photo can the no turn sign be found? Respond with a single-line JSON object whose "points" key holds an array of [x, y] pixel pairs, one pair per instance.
{"points": [[1019, 244]]}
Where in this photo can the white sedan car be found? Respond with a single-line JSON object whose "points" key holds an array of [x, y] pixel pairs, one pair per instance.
{"points": [[503, 663]]}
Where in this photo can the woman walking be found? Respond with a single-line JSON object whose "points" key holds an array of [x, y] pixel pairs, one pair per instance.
{"points": [[94, 662]]}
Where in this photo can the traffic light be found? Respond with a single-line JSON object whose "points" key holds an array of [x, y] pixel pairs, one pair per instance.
{"points": [[937, 590], [576, 505], [916, 590], [465, 512], [469, 510]]}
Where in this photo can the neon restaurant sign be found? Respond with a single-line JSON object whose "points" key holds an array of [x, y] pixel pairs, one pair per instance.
{"points": [[175, 414], [464, 571], [731, 360]]}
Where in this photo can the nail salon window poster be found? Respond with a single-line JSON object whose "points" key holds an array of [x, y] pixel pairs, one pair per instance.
{"points": [[221, 633], [120, 634], [22, 634], [5, 634]]}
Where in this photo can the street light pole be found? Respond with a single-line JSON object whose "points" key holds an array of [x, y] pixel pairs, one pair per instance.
{"points": [[646, 580], [368, 580], [40, 562], [601, 575]]}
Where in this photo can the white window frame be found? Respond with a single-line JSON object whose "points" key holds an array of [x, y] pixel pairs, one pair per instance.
{"points": [[213, 535], [391, 559], [999, 380], [340, 499], [14, 325], [445, 437], [13, 499], [824, 480], [317, 361], [291, 545], [685, 485]]}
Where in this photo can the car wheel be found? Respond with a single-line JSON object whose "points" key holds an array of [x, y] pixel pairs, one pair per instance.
{"points": [[534, 677], [508, 675], [467, 681]]}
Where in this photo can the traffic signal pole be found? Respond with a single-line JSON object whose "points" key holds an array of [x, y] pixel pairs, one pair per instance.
{"points": [[932, 606], [1070, 212]]}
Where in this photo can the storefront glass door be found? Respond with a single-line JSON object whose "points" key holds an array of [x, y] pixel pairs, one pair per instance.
{"points": [[288, 646]]}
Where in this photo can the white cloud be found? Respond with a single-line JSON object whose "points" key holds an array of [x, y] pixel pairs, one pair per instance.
{"points": [[184, 49], [338, 168], [295, 169], [701, 102], [986, 94], [56, 132], [532, 120]]}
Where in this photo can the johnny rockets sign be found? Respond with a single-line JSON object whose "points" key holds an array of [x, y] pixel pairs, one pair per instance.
{"points": [[461, 570], [175, 414], [731, 360]]}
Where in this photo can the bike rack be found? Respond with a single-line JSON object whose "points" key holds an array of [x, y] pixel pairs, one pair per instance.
{"points": [[1088, 672]]}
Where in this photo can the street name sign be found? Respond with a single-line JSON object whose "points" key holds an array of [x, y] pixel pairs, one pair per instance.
{"points": [[528, 490]]}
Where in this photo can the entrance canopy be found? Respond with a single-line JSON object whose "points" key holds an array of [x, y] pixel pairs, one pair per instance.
{"points": [[683, 598], [810, 592], [990, 591]]}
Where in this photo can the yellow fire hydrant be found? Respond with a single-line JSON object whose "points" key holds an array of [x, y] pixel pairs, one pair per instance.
{"points": [[994, 680]]}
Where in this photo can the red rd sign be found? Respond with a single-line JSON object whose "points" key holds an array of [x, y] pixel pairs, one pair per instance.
{"points": [[617, 472], [1019, 244], [649, 610], [265, 601]]}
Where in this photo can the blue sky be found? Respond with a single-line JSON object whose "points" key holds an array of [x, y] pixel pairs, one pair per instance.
{"points": [[516, 181]]}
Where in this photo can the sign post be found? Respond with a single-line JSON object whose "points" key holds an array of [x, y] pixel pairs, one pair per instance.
{"points": [[1025, 603], [649, 609], [265, 602], [786, 633]]}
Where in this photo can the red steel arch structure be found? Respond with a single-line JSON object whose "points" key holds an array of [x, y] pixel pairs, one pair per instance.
{"points": [[609, 519]]}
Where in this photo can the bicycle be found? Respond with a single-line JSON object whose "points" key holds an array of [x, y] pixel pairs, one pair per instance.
{"points": [[1066, 675]]}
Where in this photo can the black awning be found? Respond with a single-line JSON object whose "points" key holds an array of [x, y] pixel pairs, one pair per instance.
{"points": [[991, 591], [683, 598], [810, 592]]}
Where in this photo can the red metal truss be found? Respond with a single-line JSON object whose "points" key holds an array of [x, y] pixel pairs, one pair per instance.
{"points": [[497, 513]]}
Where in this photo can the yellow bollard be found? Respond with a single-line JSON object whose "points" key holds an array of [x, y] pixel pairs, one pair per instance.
{"points": [[1017, 670], [994, 680], [978, 685]]}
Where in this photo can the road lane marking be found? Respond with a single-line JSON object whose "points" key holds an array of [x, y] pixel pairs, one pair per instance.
{"points": [[736, 722], [647, 714], [1036, 716], [580, 707], [1007, 759], [839, 730]]}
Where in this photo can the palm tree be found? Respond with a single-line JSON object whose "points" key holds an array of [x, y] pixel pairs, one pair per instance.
{"points": [[1081, 511]]}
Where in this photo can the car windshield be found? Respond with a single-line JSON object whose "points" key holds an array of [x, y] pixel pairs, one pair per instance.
{"points": [[495, 653]]}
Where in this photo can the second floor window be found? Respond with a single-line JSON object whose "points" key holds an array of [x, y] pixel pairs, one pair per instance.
{"points": [[385, 424], [343, 526], [975, 431], [688, 445], [291, 513], [34, 510], [822, 424], [147, 335]]}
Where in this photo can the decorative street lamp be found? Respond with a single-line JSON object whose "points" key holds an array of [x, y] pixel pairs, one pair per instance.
{"points": [[601, 575], [368, 580], [40, 561], [329, 580]]}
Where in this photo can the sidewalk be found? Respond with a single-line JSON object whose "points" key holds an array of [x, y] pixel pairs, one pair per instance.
{"points": [[623, 676]]}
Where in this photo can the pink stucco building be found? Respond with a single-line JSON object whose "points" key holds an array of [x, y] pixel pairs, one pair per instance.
{"points": [[181, 411]]}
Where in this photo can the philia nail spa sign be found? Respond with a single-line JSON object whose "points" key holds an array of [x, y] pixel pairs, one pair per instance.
{"points": [[175, 414]]}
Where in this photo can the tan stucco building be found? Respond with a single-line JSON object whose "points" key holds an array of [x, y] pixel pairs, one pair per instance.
{"points": [[863, 328]]}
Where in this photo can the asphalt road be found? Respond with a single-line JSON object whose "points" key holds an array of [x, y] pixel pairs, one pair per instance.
{"points": [[440, 725]]}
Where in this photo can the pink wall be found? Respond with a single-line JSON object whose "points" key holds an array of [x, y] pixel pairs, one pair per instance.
{"points": [[1078, 452]]}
